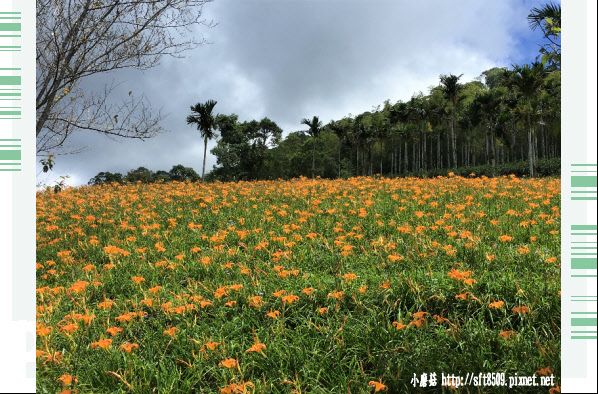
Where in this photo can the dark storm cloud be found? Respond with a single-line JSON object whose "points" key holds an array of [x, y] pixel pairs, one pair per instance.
{"points": [[294, 59]]}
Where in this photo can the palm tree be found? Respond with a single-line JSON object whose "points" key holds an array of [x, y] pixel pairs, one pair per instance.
{"points": [[538, 15], [206, 121], [315, 126], [548, 19], [528, 82], [488, 104], [451, 89], [399, 115], [341, 131]]}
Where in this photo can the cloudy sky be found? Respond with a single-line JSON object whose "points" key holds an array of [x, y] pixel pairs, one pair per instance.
{"points": [[293, 59]]}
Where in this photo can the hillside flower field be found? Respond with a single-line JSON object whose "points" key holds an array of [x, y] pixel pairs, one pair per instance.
{"points": [[300, 286]]}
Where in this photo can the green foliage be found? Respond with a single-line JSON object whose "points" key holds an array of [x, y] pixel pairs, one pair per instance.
{"points": [[181, 173], [178, 173], [545, 168], [106, 177], [548, 19], [47, 163], [244, 148]]}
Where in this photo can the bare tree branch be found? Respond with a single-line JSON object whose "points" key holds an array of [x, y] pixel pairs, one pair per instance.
{"points": [[80, 38]]}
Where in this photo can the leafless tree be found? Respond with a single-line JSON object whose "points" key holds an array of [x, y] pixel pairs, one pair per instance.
{"points": [[77, 39]]}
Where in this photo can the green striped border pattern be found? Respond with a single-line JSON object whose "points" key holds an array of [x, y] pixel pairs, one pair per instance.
{"points": [[10, 27], [583, 251], [10, 155], [583, 182], [10, 93], [17, 176], [583, 324]]}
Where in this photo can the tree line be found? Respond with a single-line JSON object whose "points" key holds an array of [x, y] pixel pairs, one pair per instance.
{"points": [[504, 116]]}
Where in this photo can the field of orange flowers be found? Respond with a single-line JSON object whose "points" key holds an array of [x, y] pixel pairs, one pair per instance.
{"points": [[296, 286]]}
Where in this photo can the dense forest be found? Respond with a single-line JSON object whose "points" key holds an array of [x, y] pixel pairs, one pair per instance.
{"points": [[505, 121]]}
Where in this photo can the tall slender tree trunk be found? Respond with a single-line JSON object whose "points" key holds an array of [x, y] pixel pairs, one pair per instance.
{"points": [[399, 160], [313, 160], [530, 141], [425, 155], [486, 150], [448, 150], [492, 150], [438, 153], [371, 161], [535, 134], [454, 137], [513, 140], [406, 157], [339, 158], [357, 159], [530, 153], [205, 151], [413, 161]]}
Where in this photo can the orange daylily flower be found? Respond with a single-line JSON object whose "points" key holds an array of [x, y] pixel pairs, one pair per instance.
{"points": [[258, 347], [67, 379], [211, 345], [128, 347], [107, 304], [349, 277], [42, 330], [417, 323], [255, 301], [308, 290], [506, 334], [496, 304], [521, 309], [236, 388], [420, 315], [544, 371], [290, 299], [69, 328], [171, 331], [338, 295], [378, 386], [459, 275], [103, 343], [228, 363], [279, 293], [273, 315], [205, 303], [126, 317]]}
